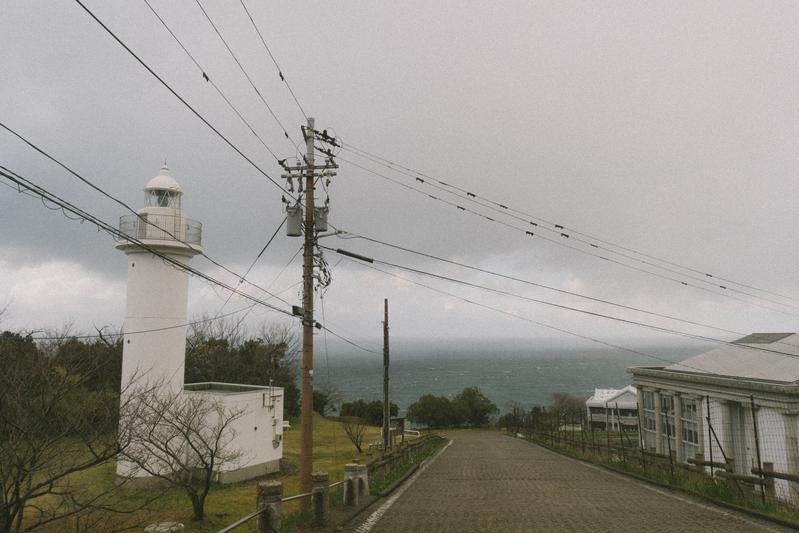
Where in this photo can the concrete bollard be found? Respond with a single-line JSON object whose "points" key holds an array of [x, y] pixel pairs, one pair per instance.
{"points": [[319, 498], [700, 458], [269, 496], [357, 483], [165, 527]]}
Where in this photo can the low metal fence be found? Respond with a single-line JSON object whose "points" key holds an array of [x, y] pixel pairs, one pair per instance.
{"points": [[750, 458], [359, 481]]}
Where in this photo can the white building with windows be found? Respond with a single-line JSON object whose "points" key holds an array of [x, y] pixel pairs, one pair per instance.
{"points": [[613, 408], [160, 239], [713, 404]]}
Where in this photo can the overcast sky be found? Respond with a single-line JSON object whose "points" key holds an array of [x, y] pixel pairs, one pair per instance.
{"points": [[666, 127]]}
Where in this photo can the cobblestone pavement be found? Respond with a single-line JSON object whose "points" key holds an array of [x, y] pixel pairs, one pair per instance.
{"points": [[486, 481]]}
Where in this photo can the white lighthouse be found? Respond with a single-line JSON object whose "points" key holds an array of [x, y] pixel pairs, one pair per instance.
{"points": [[154, 349], [157, 294]]}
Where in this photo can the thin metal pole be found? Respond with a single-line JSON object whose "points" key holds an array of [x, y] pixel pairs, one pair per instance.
{"points": [[709, 429], [571, 429], [306, 448], [386, 401], [668, 439], [621, 437], [582, 435], [641, 438], [757, 449], [607, 429]]}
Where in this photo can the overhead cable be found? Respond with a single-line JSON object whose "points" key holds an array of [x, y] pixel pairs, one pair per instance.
{"points": [[529, 282], [268, 51], [210, 80], [555, 227], [526, 319], [246, 74], [565, 307], [183, 100], [120, 235], [533, 233], [129, 208]]}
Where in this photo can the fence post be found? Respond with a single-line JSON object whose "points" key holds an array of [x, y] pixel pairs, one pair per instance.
{"points": [[607, 430], [641, 443], [591, 425], [268, 498], [709, 441], [623, 434], [319, 498], [582, 435], [571, 430], [768, 485], [757, 449], [668, 441], [357, 483]]}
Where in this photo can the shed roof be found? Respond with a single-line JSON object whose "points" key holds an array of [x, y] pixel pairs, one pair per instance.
{"points": [[746, 358]]}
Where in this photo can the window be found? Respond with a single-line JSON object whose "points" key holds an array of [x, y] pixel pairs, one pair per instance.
{"points": [[690, 427], [669, 426], [648, 400], [162, 198]]}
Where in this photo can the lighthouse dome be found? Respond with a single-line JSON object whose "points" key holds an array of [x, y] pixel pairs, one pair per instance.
{"points": [[163, 191]]}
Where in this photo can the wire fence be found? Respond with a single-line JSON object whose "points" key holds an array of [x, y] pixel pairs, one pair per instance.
{"points": [[382, 473], [740, 450]]}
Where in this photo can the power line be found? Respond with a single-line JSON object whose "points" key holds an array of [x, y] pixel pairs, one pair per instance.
{"points": [[39, 191], [553, 304], [246, 75], [113, 231], [473, 197], [208, 79], [140, 331], [182, 100], [348, 341], [526, 319], [268, 51], [277, 229], [128, 208], [541, 285], [535, 234]]}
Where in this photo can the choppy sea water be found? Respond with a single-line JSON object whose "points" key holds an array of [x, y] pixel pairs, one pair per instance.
{"points": [[526, 372]]}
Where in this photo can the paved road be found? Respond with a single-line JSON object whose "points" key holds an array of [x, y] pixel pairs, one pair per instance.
{"points": [[488, 482]]}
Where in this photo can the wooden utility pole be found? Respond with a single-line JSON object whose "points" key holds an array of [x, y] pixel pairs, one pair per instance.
{"points": [[386, 399], [309, 227], [306, 446]]}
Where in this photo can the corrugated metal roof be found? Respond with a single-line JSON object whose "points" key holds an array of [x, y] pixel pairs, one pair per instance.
{"points": [[738, 360]]}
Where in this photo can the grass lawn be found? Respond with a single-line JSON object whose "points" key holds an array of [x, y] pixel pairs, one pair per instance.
{"points": [[225, 503]]}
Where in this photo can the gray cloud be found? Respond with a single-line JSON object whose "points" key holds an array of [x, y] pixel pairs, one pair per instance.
{"points": [[669, 128]]}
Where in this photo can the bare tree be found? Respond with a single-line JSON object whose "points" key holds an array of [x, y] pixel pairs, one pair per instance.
{"points": [[275, 334], [52, 427], [183, 439], [355, 428], [207, 329], [567, 404]]}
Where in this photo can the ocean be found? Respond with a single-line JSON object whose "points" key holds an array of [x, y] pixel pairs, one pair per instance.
{"points": [[526, 372]]}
